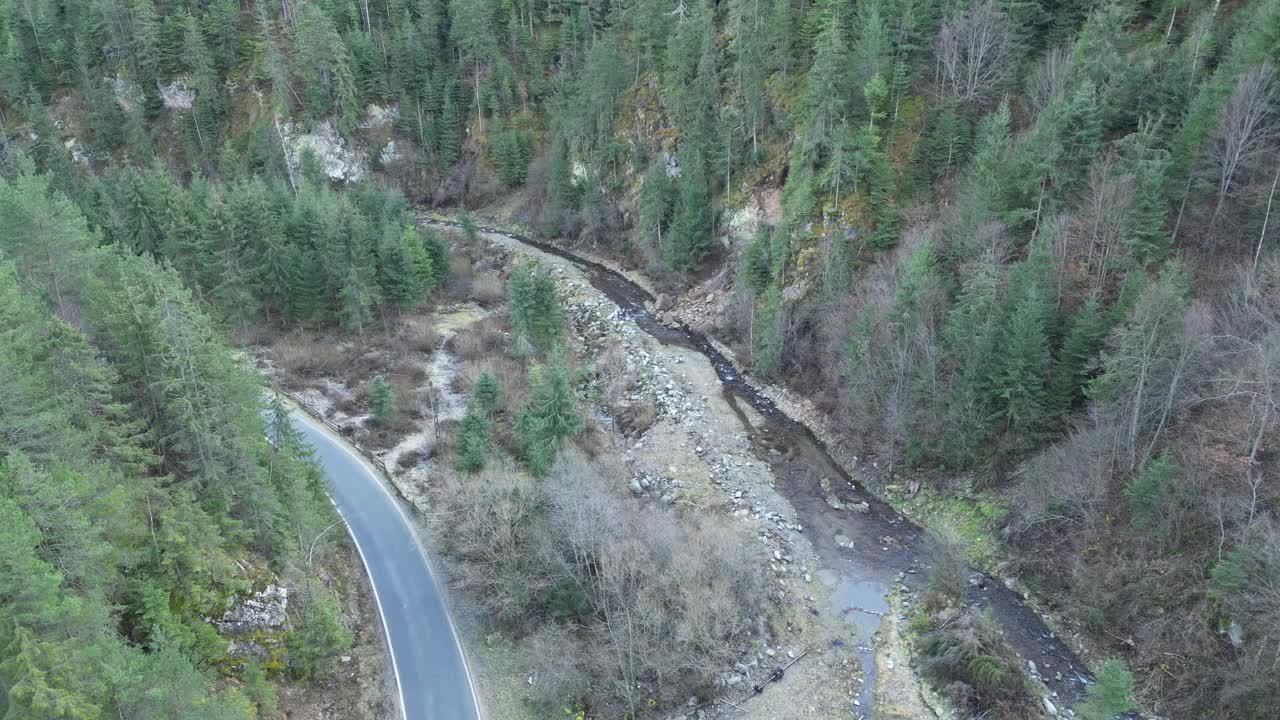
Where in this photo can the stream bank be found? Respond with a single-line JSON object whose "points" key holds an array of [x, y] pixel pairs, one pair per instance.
{"points": [[864, 548]]}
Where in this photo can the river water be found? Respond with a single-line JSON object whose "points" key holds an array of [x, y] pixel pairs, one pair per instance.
{"points": [[864, 554]]}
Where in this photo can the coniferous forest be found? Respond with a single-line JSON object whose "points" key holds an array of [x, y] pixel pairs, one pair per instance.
{"points": [[1021, 251]]}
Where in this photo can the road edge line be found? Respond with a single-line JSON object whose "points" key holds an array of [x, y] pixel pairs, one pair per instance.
{"points": [[426, 558]]}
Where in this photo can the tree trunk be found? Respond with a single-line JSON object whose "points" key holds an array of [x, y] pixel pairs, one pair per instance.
{"points": [[1265, 220]]}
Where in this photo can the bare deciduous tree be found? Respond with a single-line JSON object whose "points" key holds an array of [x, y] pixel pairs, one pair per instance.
{"points": [[1247, 130], [974, 51], [1050, 78], [1154, 367], [1099, 229]]}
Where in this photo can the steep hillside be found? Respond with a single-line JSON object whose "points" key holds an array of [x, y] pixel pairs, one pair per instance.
{"points": [[1017, 254]]}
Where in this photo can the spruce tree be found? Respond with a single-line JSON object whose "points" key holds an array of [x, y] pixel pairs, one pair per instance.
{"points": [[768, 333], [1148, 487], [655, 204], [1110, 696], [473, 440], [757, 269], [487, 394], [1070, 373], [382, 399], [549, 418], [535, 309], [691, 224]]}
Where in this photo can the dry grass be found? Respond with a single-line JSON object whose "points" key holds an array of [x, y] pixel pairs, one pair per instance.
{"points": [[488, 290], [306, 356], [635, 419], [483, 338], [417, 334]]}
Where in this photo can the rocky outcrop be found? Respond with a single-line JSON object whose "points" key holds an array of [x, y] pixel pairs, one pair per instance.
{"points": [[337, 159], [256, 626]]}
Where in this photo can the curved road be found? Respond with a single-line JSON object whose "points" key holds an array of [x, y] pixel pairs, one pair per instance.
{"points": [[426, 655]]}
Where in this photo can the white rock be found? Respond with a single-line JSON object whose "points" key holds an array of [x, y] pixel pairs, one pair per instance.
{"points": [[177, 95]]}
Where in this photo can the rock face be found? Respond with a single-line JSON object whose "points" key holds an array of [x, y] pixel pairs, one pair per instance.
{"points": [[662, 302], [126, 92], [177, 95], [377, 116], [266, 610], [338, 161], [256, 626]]}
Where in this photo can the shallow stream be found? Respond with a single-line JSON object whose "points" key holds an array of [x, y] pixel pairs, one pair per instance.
{"points": [[864, 554]]}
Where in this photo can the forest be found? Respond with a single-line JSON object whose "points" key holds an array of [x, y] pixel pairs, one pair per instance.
{"points": [[1020, 250]]}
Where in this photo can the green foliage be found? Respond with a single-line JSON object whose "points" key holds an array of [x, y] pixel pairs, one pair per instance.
{"points": [[550, 417], [318, 633], [657, 198], [1111, 695], [109, 567], [258, 688], [690, 239], [510, 150], [1087, 329], [768, 333], [487, 394], [970, 658], [473, 439], [535, 310], [382, 399], [1147, 489], [756, 266]]}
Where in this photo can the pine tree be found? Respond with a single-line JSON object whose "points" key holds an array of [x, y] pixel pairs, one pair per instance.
{"points": [[437, 251], [404, 268], [1020, 383], [535, 309], [1149, 164], [487, 395], [768, 333], [471, 31], [757, 269], [1070, 374], [549, 418], [382, 399], [473, 440], [825, 98], [356, 300], [656, 200], [325, 68], [750, 48], [872, 52], [1110, 696], [691, 224], [317, 634], [1147, 488]]}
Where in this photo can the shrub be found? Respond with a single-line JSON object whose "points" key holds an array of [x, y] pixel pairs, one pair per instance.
{"points": [[473, 441], [970, 658], [317, 634], [1111, 695], [486, 395]]}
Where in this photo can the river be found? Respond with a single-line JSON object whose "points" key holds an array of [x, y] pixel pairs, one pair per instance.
{"points": [[878, 549]]}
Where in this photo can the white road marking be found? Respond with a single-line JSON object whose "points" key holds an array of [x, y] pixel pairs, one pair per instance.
{"points": [[364, 463]]}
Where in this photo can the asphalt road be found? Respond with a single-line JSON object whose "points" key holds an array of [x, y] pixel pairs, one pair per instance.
{"points": [[430, 668]]}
